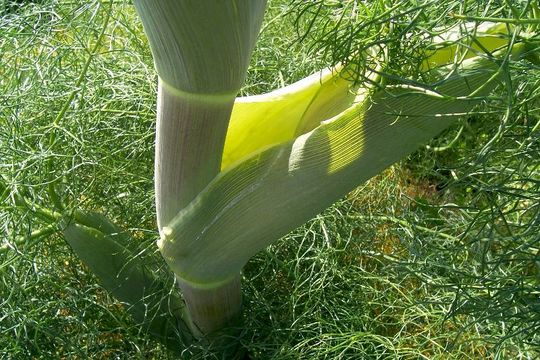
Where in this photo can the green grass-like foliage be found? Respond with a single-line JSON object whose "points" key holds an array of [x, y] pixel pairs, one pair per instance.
{"points": [[435, 258]]}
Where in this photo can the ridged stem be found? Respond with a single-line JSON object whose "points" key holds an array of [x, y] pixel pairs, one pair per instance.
{"points": [[213, 309], [190, 134], [201, 51], [189, 143]]}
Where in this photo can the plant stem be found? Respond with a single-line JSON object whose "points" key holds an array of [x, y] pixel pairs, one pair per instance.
{"points": [[201, 51], [190, 134], [213, 309]]}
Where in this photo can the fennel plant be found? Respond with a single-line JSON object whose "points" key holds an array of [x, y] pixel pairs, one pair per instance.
{"points": [[232, 175]]}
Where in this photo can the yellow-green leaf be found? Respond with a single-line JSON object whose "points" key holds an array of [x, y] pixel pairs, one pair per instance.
{"points": [[262, 198]]}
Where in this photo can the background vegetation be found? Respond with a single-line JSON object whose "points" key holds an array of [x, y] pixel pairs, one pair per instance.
{"points": [[437, 257]]}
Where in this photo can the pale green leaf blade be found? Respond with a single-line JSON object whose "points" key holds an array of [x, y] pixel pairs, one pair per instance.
{"points": [[260, 121], [126, 277], [263, 198], [465, 41]]}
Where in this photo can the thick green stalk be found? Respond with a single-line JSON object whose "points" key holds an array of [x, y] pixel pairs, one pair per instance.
{"points": [[190, 134], [185, 162], [201, 52], [206, 306]]}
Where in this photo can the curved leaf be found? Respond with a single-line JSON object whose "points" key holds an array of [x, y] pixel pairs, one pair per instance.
{"points": [[264, 197], [261, 121], [126, 277]]}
